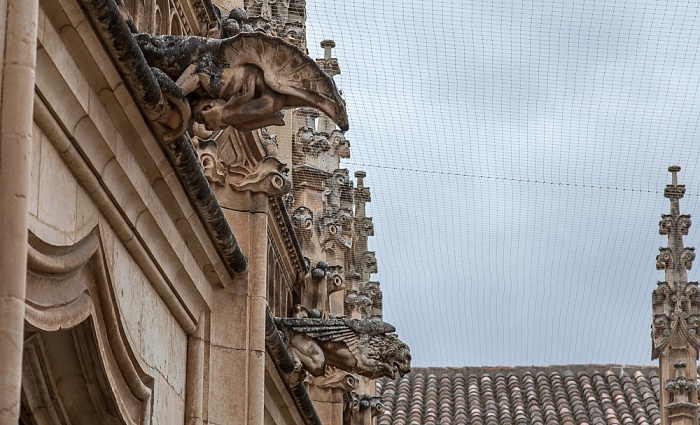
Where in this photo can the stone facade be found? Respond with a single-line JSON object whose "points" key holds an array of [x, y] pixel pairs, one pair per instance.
{"points": [[157, 268]]}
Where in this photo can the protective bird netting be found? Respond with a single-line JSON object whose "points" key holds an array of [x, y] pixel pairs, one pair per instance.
{"points": [[517, 154]]}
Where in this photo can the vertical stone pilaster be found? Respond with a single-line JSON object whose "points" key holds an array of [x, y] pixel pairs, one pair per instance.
{"points": [[18, 32]]}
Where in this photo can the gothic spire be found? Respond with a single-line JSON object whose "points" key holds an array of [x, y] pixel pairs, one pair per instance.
{"points": [[676, 315]]}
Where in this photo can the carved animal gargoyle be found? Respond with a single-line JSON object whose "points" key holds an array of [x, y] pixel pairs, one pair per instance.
{"points": [[365, 347], [242, 81]]}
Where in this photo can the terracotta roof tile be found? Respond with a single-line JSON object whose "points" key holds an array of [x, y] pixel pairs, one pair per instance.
{"points": [[552, 395]]}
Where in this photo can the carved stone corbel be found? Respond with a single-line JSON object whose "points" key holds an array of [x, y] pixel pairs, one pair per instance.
{"points": [[269, 176]]}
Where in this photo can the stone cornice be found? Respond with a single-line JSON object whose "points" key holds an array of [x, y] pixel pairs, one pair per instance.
{"points": [[121, 45], [282, 221]]}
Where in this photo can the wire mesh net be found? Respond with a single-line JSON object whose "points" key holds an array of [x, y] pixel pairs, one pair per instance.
{"points": [[517, 155]]}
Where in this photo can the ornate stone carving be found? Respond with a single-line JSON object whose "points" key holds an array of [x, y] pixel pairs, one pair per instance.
{"points": [[269, 142], [360, 302], [334, 378], [241, 161], [676, 316], [364, 226], [364, 347], [242, 81], [687, 257], [369, 262], [669, 223], [367, 301], [208, 153], [269, 176], [665, 259], [310, 144], [360, 409], [323, 280], [338, 190], [303, 222], [71, 309], [334, 225], [671, 303], [680, 389], [329, 64]]}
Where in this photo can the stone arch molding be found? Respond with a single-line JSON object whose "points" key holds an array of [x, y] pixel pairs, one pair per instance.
{"points": [[78, 365]]}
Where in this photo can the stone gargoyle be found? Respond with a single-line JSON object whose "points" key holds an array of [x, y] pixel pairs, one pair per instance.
{"points": [[365, 347], [242, 81]]}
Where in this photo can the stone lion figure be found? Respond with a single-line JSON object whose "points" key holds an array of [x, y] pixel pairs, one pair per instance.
{"points": [[365, 347]]}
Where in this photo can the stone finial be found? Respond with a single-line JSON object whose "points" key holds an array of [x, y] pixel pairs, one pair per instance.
{"points": [[328, 46], [328, 63]]}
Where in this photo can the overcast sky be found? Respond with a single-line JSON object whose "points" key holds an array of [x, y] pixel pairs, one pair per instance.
{"points": [[517, 154]]}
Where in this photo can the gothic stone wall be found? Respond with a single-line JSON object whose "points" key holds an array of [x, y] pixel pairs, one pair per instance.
{"points": [[96, 169]]}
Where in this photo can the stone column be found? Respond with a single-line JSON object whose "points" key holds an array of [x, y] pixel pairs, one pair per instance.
{"points": [[18, 29]]}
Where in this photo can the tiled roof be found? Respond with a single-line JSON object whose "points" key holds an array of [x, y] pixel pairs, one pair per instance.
{"points": [[552, 395]]}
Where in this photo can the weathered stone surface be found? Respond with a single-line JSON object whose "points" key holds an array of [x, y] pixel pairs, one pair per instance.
{"points": [[365, 347], [243, 81]]}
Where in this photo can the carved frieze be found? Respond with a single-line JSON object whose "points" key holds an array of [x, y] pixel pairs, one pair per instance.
{"points": [[365, 347]]}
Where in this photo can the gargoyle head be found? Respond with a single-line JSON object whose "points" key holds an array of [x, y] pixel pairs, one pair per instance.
{"points": [[242, 81], [393, 356]]}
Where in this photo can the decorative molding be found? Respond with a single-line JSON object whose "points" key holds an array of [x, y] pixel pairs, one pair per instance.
{"points": [[681, 390], [291, 243], [69, 288]]}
